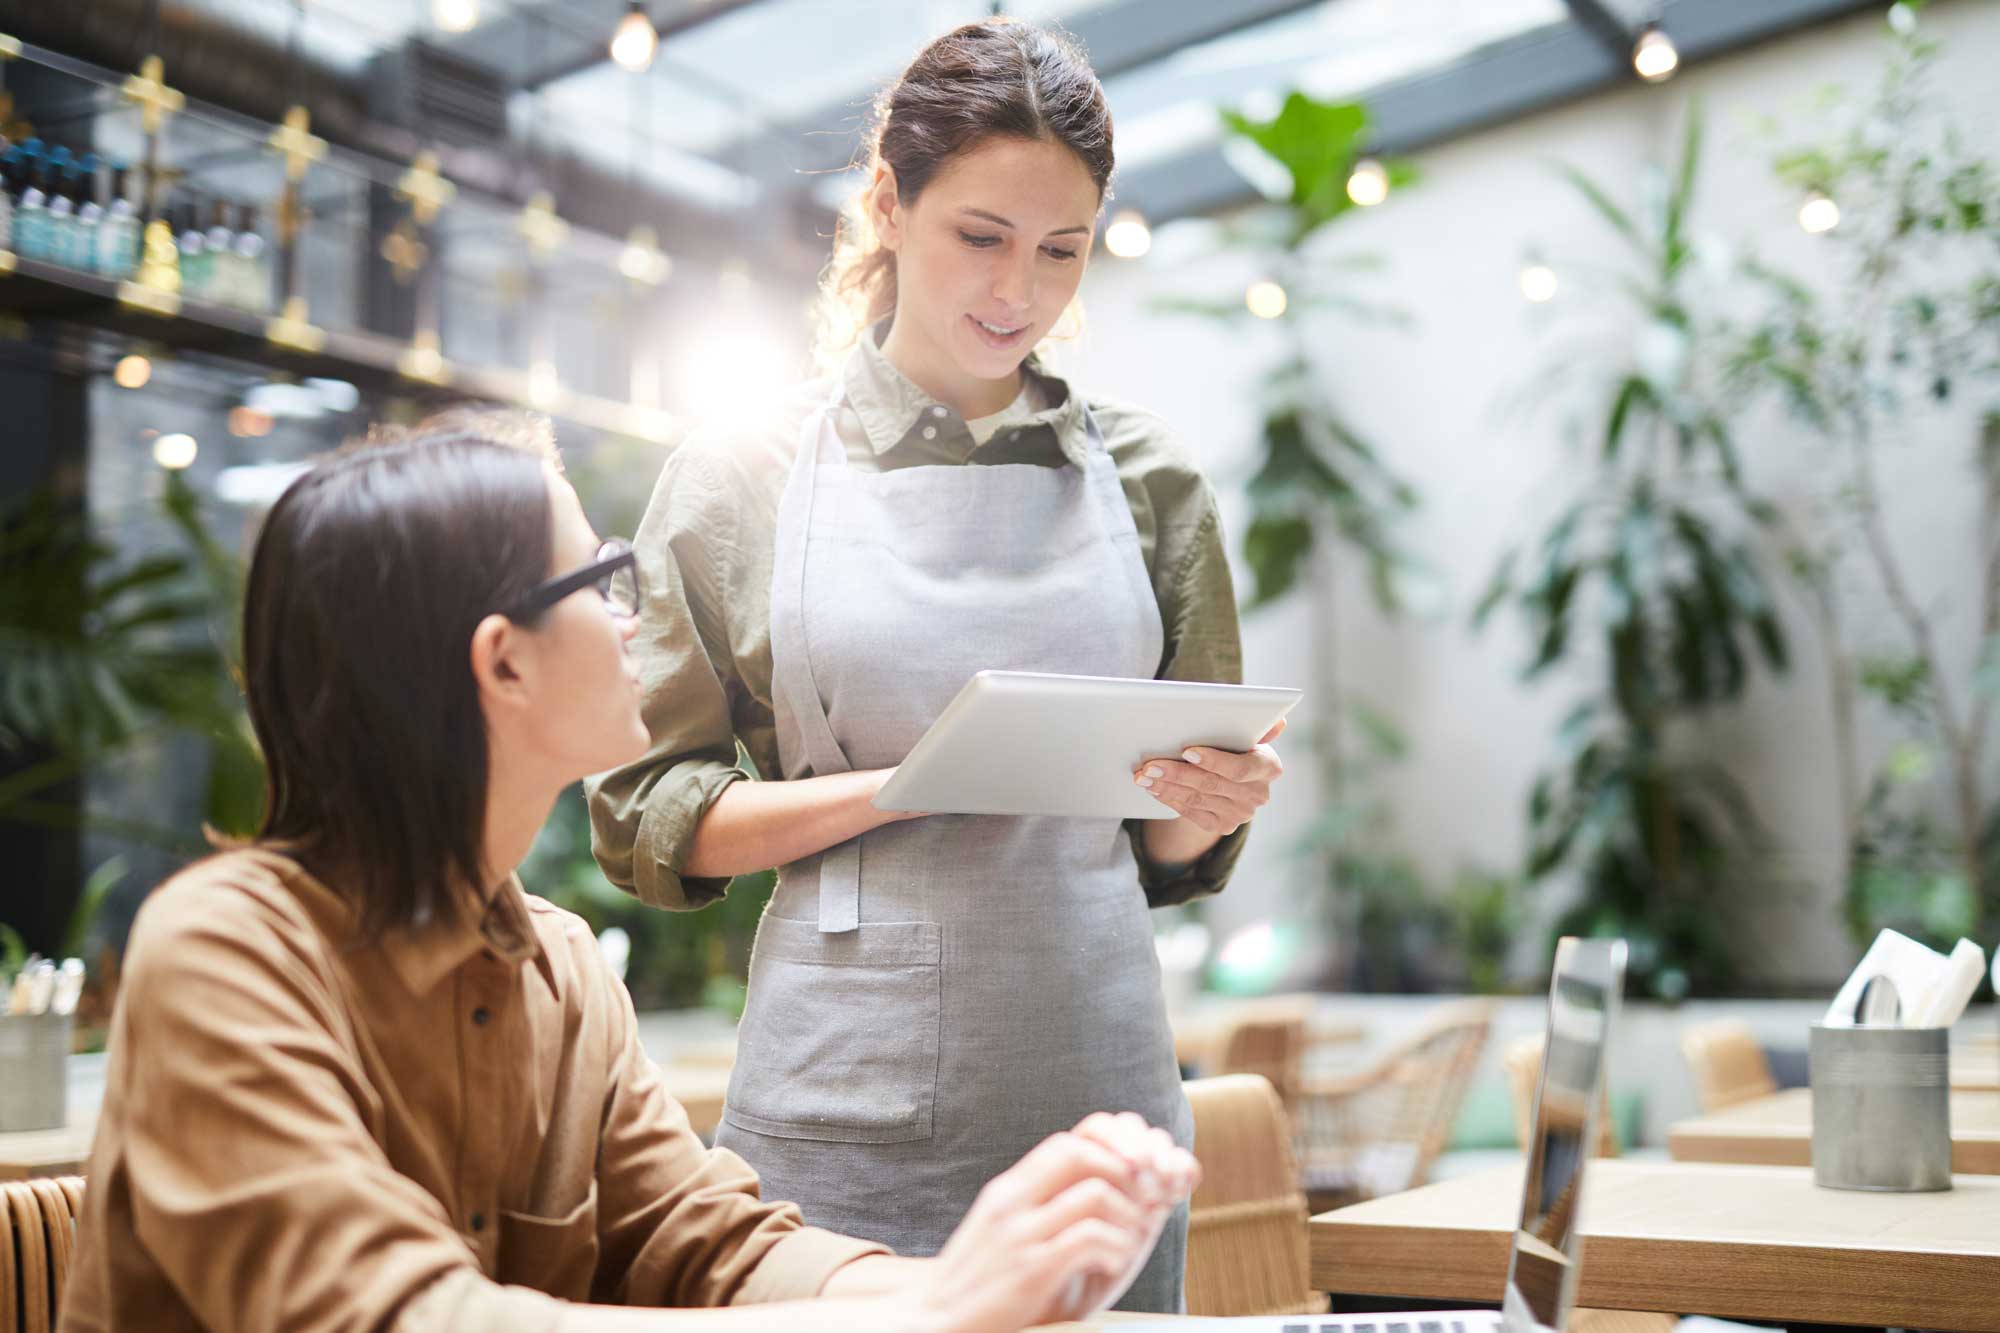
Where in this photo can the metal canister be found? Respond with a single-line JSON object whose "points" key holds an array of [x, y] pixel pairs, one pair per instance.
{"points": [[34, 1051], [1881, 1108]]}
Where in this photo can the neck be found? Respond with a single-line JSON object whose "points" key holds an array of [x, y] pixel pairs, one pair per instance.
{"points": [[515, 813], [925, 365]]}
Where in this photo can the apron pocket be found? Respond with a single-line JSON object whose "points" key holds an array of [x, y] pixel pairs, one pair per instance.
{"points": [[557, 1255], [840, 1039]]}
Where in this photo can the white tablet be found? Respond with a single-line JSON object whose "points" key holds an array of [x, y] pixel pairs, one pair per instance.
{"points": [[1024, 743]]}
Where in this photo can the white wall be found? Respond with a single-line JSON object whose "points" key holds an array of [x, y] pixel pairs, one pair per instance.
{"points": [[1430, 399]]}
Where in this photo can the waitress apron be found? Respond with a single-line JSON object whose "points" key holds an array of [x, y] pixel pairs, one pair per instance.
{"points": [[930, 1000]]}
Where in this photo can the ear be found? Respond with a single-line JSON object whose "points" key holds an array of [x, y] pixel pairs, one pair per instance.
{"points": [[884, 208], [502, 666]]}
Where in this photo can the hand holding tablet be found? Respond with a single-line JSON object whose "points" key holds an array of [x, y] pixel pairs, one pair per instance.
{"points": [[1024, 743]]}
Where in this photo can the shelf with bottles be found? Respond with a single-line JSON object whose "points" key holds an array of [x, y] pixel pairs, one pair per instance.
{"points": [[240, 232]]}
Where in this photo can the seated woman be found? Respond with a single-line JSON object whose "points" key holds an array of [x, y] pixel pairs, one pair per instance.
{"points": [[360, 1079]]}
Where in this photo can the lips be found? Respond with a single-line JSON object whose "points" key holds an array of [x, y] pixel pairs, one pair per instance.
{"points": [[984, 331]]}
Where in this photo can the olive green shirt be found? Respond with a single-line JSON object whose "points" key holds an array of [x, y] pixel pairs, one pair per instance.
{"points": [[704, 641]]}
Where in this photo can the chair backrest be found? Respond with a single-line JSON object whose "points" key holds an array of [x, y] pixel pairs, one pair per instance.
{"points": [[1268, 1038], [1247, 1222], [37, 1235], [1521, 1061], [1727, 1063]]}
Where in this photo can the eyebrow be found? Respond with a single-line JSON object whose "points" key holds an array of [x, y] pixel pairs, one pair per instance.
{"points": [[999, 221]]}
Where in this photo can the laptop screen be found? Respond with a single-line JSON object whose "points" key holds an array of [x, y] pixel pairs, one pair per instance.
{"points": [[1583, 1002]]}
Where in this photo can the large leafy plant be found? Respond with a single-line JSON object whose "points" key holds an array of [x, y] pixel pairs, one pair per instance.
{"points": [[1320, 492], [1647, 586], [1874, 364]]}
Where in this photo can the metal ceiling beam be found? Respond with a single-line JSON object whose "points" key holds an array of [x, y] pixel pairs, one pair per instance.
{"points": [[537, 44], [1533, 72], [1595, 17], [1119, 37]]}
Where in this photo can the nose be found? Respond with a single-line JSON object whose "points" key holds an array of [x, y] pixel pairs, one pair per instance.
{"points": [[1014, 283]]}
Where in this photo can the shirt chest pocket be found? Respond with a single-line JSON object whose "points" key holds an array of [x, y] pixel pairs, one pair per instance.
{"points": [[840, 1041], [557, 1255]]}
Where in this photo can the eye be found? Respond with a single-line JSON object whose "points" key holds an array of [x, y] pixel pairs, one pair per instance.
{"points": [[1057, 252], [978, 242]]}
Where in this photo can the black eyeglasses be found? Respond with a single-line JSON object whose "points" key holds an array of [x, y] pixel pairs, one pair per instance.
{"points": [[615, 572]]}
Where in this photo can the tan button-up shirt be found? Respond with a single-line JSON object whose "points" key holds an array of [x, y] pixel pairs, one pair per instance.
{"points": [[448, 1128], [704, 644]]}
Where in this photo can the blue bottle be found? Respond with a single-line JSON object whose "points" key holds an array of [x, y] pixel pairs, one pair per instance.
{"points": [[31, 213]]}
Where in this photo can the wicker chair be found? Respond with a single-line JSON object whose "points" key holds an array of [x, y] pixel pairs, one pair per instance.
{"points": [[1247, 1222], [1380, 1130], [1727, 1063], [37, 1234], [1522, 1063], [1268, 1037]]}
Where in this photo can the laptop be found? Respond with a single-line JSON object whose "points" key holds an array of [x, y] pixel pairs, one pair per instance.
{"points": [[1587, 979]]}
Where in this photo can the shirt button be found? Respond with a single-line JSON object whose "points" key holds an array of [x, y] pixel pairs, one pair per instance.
{"points": [[479, 1221], [930, 432], [937, 411], [481, 1016]]}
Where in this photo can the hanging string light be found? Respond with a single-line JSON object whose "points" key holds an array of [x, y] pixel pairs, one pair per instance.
{"points": [[1538, 282], [1819, 214], [1368, 183], [1266, 299], [1128, 236], [634, 42], [455, 15], [1654, 55]]}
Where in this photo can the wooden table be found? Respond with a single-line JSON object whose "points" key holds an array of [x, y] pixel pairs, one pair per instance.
{"points": [[1199, 1034], [1740, 1242], [1777, 1131], [62, 1152]]}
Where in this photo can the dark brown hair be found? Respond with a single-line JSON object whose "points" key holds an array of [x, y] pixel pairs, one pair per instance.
{"points": [[998, 77], [369, 576]]}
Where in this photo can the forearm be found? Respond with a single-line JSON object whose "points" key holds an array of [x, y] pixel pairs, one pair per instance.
{"points": [[755, 826], [1175, 842]]}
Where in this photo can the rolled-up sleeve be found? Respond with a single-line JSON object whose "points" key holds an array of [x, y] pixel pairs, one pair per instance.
{"points": [[681, 1224], [1197, 597], [643, 816]]}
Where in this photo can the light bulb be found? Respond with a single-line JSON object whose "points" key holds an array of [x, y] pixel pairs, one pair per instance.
{"points": [[634, 42], [1368, 183], [455, 15], [1538, 283], [132, 372], [1654, 55], [1266, 299], [1128, 236], [1819, 214], [174, 451], [250, 423], [641, 260], [543, 385]]}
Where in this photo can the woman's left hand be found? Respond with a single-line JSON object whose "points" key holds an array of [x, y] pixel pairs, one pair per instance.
{"points": [[1215, 790]]}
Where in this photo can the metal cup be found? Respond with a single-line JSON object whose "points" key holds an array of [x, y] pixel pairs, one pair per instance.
{"points": [[1881, 1108], [34, 1049]]}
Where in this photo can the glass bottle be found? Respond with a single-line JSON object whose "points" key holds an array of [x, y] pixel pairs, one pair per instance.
{"points": [[118, 234], [31, 213], [89, 215], [61, 223], [196, 270], [10, 168], [254, 273]]}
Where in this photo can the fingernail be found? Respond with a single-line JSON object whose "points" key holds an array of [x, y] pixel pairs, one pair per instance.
{"points": [[1145, 782], [1156, 772], [1191, 757]]}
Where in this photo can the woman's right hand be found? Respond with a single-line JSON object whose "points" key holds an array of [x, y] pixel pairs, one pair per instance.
{"points": [[881, 778], [1059, 1235]]}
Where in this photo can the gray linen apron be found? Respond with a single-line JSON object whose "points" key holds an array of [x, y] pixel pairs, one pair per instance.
{"points": [[930, 1000]]}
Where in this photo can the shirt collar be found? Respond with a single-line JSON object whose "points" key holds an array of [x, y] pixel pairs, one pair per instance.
{"points": [[891, 408], [422, 956]]}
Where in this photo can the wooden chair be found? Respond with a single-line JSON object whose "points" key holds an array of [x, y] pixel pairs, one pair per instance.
{"points": [[1380, 1130], [37, 1236], [1727, 1063], [1522, 1064], [1247, 1221], [1268, 1037]]}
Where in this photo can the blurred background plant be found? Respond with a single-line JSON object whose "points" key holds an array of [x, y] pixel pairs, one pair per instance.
{"points": [[1910, 330], [1321, 495], [1648, 585]]}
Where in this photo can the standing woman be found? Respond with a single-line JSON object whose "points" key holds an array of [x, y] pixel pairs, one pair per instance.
{"points": [[931, 995]]}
